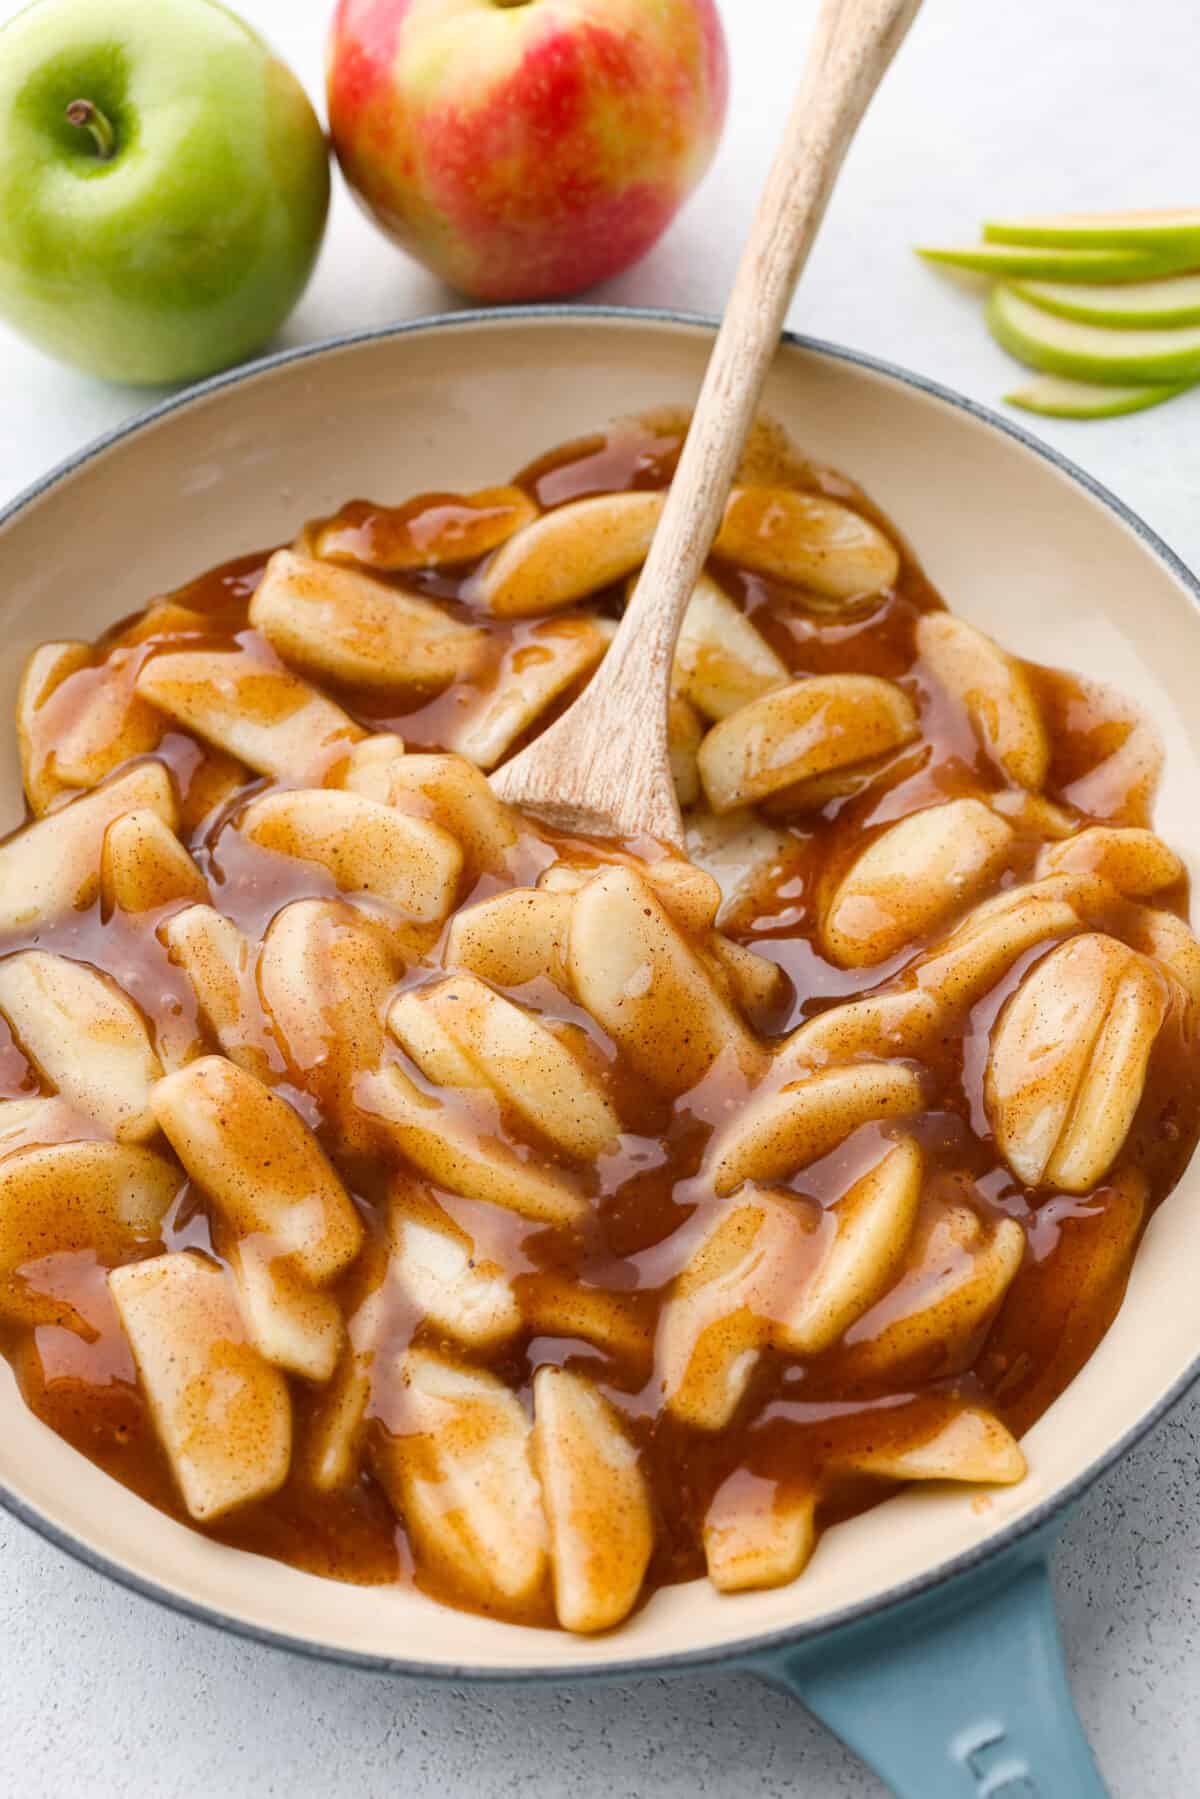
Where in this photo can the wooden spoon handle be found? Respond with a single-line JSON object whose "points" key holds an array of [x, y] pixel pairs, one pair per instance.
{"points": [[604, 763], [853, 44]]}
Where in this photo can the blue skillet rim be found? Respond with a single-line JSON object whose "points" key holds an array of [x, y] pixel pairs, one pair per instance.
{"points": [[742, 1651]]}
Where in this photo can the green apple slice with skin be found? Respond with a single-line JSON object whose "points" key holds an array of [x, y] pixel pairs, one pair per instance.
{"points": [[1170, 302], [1057, 397], [1176, 231], [1049, 264], [1091, 352]]}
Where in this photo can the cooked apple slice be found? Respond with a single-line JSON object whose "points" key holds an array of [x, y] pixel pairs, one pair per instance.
{"points": [[336, 624], [1091, 352], [325, 973], [571, 552], [933, 1320], [638, 977], [222, 1413], [219, 963], [770, 1270], [985, 946], [286, 1319], [757, 1533], [779, 1132], [85, 1036], [807, 539], [1171, 300], [1088, 897], [214, 783], [721, 660], [461, 1153], [1121, 787], [1134, 861], [456, 1464], [435, 1050], [596, 1498], [1173, 233], [559, 1305], [1057, 397], [366, 847], [461, 1033], [269, 719], [897, 1022], [692, 897], [261, 1165], [1068, 1061], [165, 619], [1168, 940], [516, 937], [912, 878], [143, 866], [540, 664], [368, 767], [972, 1445], [28, 1122], [336, 1435], [96, 720], [1021, 261], [743, 855], [46, 668], [863, 1256], [688, 893], [436, 1264], [60, 1198], [433, 530], [756, 984], [452, 792], [719, 1312], [685, 734], [995, 691], [52, 866], [795, 734], [79, 720], [45, 671], [1033, 814]]}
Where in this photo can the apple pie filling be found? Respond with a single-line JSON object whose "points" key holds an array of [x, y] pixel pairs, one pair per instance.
{"points": [[398, 1187]]}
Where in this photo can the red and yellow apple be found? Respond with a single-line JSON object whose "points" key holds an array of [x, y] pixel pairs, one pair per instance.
{"points": [[525, 148]]}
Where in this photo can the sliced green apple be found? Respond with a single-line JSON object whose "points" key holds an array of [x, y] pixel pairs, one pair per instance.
{"points": [[1022, 261], [1177, 232], [1174, 301], [1091, 352], [1056, 397]]}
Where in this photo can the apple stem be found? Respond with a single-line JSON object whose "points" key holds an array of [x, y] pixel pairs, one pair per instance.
{"points": [[87, 115]]}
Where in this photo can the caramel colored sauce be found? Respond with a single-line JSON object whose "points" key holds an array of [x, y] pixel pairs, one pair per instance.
{"points": [[647, 1198]]}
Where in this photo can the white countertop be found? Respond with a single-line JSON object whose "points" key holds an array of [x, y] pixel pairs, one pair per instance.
{"points": [[1030, 105]]}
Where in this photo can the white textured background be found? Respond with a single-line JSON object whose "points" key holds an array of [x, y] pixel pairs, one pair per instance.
{"points": [[1023, 106]]}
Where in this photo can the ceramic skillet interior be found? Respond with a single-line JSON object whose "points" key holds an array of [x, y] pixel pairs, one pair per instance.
{"points": [[1016, 542]]}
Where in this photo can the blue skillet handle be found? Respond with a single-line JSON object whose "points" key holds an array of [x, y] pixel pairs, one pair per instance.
{"points": [[966, 1702]]}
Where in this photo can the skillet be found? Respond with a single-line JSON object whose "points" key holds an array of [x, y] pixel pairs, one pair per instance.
{"points": [[923, 1631]]}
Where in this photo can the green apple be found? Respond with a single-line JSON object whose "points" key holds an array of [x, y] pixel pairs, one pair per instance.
{"points": [[1175, 301], [1091, 352], [1176, 233], [1055, 397], [1009, 260], [164, 185]]}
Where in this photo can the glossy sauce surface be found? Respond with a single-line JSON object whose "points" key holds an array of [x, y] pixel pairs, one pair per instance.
{"points": [[648, 1200]]}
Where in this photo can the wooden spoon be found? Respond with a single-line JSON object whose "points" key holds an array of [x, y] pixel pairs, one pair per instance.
{"points": [[602, 769]]}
